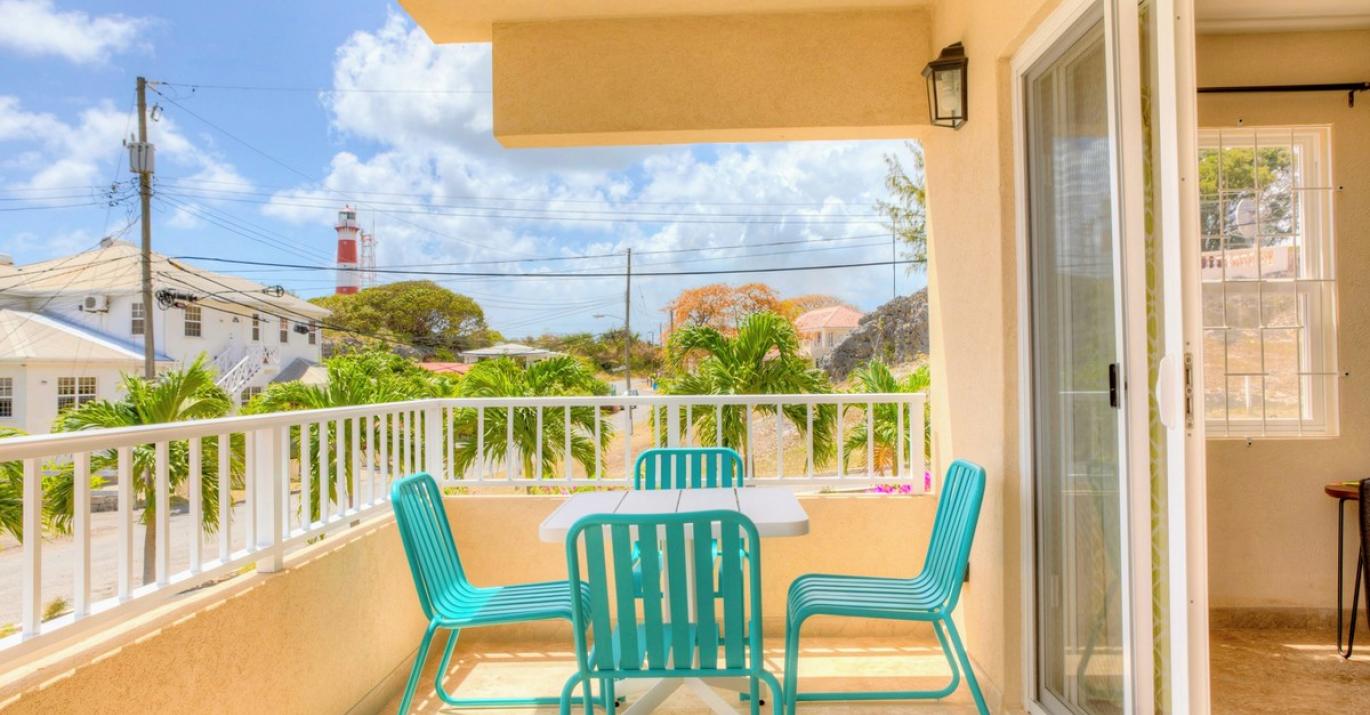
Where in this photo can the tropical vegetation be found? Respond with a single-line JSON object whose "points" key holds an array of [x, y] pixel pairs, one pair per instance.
{"points": [[761, 358], [422, 315], [876, 377], [187, 394], [559, 376]]}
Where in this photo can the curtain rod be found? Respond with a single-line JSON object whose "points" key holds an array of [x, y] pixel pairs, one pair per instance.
{"points": [[1350, 88]]}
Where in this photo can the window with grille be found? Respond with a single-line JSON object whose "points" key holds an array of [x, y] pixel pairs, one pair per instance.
{"points": [[6, 397], [136, 318], [313, 332], [193, 324], [285, 330], [74, 391], [1268, 272], [256, 328], [248, 393]]}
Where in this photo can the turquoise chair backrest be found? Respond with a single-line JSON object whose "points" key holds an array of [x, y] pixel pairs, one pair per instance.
{"points": [[427, 538], [675, 639], [953, 530], [687, 468]]}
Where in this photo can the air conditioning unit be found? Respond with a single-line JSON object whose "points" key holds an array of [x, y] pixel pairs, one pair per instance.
{"points": [[95, 304]]}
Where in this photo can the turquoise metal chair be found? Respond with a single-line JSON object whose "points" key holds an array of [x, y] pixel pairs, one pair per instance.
{"points": [[654, 632], [930, 596], [687, 468], [449, 600]]}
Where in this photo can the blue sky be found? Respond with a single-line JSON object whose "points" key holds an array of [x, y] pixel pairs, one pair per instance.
{"points": [[418, 159]]}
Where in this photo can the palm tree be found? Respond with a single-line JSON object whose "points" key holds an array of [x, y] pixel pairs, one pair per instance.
{"points": [[188, 394], [875, 377], [761, 359], [362, 378], [555, 377]]}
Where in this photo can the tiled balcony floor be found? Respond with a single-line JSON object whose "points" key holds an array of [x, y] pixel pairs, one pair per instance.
{"points": [[826, 663], [1271, 670]]}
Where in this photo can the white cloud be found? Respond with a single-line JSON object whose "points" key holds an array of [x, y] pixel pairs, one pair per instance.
{"points": [[37, 28], [442, 190], [50, 157]]}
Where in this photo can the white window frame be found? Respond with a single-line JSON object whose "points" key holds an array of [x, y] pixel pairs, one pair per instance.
{"points": [[285, 330], [1314, 287], [6, 397], [313, 332], [194, 321], [247, 393], [256, 328], [137, 320], [75, 391]]}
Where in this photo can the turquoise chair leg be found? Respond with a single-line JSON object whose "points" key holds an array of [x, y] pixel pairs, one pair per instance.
{"points": [[567, 692], [791, 666], [754, 695], [778, 702], [965, 665], [417, 670]]}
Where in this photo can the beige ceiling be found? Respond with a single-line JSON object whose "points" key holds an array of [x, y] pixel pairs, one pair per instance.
{"points": [[1281, 15], [471, 20]]}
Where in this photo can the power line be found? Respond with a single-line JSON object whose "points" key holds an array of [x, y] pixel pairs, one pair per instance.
{"points": [[193, 86], [240, 228], [778, 269], [425, 202]]}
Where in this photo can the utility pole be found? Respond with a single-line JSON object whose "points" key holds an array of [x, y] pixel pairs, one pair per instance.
{"points": [[143, 164], [628, 335]]}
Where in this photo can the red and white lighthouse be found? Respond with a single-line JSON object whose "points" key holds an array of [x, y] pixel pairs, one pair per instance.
{"points": [[349, 277]]}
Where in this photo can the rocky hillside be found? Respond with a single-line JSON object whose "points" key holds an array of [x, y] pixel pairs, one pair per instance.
{"points": [[896, 332]]}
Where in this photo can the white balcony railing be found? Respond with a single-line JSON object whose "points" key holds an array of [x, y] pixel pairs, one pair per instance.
{"points": [[264, 508]]}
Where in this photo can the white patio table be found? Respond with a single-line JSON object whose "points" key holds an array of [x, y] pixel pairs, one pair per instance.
{"points": [[775, 511]]}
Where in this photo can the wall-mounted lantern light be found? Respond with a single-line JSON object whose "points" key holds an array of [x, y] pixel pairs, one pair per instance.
{"points": [[946, 78]]}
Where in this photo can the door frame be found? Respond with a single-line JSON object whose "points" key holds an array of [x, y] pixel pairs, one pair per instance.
{"points": [[1178, 130]]}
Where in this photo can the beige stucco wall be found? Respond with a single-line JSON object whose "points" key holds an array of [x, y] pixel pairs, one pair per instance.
{"points": [[1271, 531], [638, 80], [335, 630]]}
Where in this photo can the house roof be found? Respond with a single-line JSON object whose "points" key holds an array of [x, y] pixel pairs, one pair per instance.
{"points": [[836, 316], [506, 350], [115, 269], [460, 368], [35, 336]]}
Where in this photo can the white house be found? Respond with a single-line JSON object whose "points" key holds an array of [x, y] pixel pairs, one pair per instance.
{"points": [[513, 351], [71, 326], [822, 329]]}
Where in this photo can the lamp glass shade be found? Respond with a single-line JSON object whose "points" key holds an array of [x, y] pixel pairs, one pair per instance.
{"points": [[946, 78]]}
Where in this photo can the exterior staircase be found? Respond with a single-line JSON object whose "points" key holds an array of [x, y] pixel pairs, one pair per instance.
{"points": [[237, 366]]}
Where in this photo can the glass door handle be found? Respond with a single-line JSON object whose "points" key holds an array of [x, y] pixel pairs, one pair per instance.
{"points": [[1115, 399]]}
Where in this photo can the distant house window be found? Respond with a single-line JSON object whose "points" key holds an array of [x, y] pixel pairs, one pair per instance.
{"points": [[256, 328], [137, 317], [313, 332], [249, 393], [6, 397], [285, 330], [193, 325], [1269, 282], [74, 391]]}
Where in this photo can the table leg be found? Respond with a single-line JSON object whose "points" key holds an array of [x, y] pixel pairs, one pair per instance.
{"points": [[1355, 595]]}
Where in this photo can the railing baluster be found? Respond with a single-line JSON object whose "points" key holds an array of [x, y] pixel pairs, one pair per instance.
{"points": [[225, 497], [628, 443], [417, 456], [282, 462], [33, 550], [750, 466], [124, 549], [566, 447], [448, 435], [250, 490], [537, 460], [718, 425], [197, 507], [689, 423], [80, 474], [369, 460], [162, 512], [401, 453]]}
